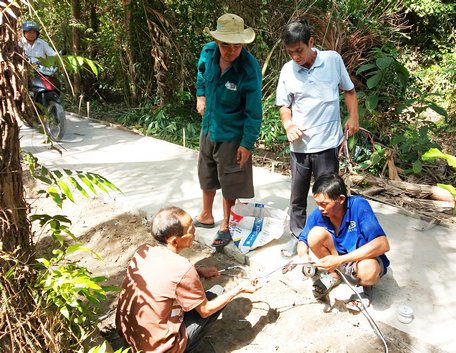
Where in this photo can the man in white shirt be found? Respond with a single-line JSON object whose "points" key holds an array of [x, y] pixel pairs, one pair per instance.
{"points": [[308, 96], [34, 47]]}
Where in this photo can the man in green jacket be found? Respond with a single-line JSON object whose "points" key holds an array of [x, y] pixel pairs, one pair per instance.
{"points": [[228, 90]]}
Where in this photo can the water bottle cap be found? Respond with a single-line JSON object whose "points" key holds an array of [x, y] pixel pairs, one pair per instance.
{"points": [[405, 314], [405, 310]]}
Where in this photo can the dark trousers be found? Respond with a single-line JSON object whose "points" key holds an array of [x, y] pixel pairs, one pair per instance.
{"points": [[303, 165], [197, 326]]}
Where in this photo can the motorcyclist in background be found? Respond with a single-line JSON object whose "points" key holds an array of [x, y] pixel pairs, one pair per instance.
{"points": [[34, 47], [44, 88]]}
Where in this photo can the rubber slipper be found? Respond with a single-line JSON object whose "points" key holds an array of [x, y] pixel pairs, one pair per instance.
{"points": [[324, 284], [348, 270], [222, 238], [357, 304], [198, 224], [290, 248]]}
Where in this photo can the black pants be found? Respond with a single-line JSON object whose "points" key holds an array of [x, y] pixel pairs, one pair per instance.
{"points": [[303, 165], [197, 326]]}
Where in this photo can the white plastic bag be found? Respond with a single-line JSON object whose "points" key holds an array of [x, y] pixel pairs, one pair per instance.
{"points": [[253, 225]]}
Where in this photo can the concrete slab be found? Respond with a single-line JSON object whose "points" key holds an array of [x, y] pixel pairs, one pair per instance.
{"points": [[153, 173]]}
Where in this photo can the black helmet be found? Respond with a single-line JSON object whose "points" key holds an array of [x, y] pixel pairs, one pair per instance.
{"points": [[30, 26]]}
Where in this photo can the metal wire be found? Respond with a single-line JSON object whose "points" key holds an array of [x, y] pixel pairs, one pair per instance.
{"points": [[365, 311]]}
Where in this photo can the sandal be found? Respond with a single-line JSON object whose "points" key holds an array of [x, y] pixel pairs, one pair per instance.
{"points": [[199, 224], [348, 270], [357, 304], [222, 238], [290, 249], [324, 284]]}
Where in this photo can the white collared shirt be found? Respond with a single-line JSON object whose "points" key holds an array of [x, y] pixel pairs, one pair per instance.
{"points": [[313, 95], [39, 49]]}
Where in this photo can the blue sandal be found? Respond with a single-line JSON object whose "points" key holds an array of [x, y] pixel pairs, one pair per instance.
{"points": [[222, 238]]}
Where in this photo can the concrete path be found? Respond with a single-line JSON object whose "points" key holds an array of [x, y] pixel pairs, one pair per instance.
{"points": [[153, 174]]}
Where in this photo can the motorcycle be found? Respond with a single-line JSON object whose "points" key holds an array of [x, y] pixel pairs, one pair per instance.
{"points": [[45, 90]]}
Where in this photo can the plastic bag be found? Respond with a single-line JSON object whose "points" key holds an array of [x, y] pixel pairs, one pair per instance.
{"points": [[253, 225]]}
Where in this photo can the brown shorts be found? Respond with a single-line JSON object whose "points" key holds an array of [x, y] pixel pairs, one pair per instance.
{"points": [[218, 168]]}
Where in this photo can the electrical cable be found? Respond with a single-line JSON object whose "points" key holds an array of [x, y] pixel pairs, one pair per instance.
{"points": [[365, 311], [230, 268]]}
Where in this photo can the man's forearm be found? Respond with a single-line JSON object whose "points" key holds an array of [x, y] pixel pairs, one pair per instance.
{"points": [[351, 101], [285, 116], [214, 305], [374, 248]]}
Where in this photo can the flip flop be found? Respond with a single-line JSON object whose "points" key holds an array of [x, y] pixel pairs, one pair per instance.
{"points": [[324, 284], [198, 224], [290, 248], [355, 304], [222, 238]]}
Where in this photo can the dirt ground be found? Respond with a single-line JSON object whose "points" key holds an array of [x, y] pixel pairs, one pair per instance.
{"points": [[282, 316]]}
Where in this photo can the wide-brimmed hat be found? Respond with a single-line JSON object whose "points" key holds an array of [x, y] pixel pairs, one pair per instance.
{"points": [[230, 29]]}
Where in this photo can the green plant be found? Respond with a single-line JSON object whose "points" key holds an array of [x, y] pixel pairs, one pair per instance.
{"points": [[439, 76], [62, 296], [410, 142], [75, 63], [175, 122], [386, 80], [417, 103], [72, 63], [57, 181], [272, 135], [72, 289], [365, 155], [399, 109]]}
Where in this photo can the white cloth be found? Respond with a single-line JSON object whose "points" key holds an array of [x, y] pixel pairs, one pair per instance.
{"points": [[39, 49], [313, 95]]}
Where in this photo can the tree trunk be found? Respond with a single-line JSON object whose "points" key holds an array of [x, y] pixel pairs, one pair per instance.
{"points": [[129, 53], [76, 38], [393, 187], [15, 228]]}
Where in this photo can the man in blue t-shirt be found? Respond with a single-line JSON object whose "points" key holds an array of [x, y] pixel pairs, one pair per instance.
{"points": [[344, 234]]}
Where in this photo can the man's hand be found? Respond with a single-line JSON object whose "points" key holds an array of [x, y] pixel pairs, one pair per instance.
{"points": [[251, 286], [201, 104], [208, 272], [242, 156], [329, 263], [293, 133], [352, 125]]}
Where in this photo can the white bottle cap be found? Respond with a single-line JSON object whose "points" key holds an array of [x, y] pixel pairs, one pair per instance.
{"points": [[405, 314]]}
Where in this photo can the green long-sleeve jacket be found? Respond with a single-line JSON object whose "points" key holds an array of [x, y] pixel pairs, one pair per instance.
{"points": [[233, 100]]}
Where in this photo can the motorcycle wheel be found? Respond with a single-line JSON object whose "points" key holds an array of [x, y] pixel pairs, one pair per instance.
{"points": [[55, 123]]}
